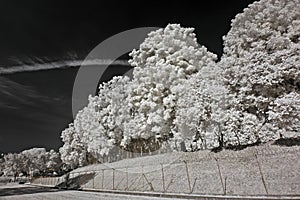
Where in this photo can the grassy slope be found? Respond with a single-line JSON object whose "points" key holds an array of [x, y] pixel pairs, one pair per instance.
{"points": [[280, 167]]}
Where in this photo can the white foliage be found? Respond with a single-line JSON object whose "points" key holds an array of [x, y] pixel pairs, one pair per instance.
{"points": [[261, 60], [73, 152], [200, 109], [35, 160], [180, 95], [284, 113], [165, 58], [98, 127]]}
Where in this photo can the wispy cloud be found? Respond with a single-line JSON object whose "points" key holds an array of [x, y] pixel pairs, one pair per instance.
{"points": [[13, 94], [59, 65]]}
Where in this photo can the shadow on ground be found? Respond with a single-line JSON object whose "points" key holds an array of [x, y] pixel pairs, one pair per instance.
{"points": [[25, 190], [288, 142]]}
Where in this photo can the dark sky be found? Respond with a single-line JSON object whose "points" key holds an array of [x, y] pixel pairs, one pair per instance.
{"points": [[36, 106]]}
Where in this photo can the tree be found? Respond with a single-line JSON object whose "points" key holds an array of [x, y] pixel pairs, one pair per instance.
{"points": [[261, 63], [54, 162], [13, 164], [73, 152], [200, 110], [166, 57], [35, 161], [97, 128]]}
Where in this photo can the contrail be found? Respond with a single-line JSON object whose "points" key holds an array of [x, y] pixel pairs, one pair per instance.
{"points": [[60, 65]]}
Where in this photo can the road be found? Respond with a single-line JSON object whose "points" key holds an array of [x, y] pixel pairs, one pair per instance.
{"points": [[21, 192], [77, 195], [28, 192]]}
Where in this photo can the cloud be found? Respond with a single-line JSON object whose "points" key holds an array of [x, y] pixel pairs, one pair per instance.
{"points": [[22, 101], [59, 65], [13, 94]]}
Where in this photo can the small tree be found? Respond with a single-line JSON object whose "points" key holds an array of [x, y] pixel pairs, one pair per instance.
{"points": [[73, 152]]}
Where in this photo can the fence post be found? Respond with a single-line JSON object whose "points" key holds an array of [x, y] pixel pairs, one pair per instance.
{"points": [[127, 178], [143, 181], [94, 180], [220, 175], [113, 182], [225, 184], [261, 173], [188, 175], [102, 179], [163, 177]]}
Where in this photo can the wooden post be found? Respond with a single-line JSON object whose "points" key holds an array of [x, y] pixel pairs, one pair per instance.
{"points": [[163, 177], [225, 184], [94, 180], [143, 181], [188, 175], [102, 178], [261, 174], [127, 178], [113, 183], [220, 175]]}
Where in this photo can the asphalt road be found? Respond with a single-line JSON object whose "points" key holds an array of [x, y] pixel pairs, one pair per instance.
{"points": [[28, 192], [38, 193], [24, 190]]}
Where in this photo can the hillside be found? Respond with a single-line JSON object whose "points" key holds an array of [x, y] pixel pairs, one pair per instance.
{"points": [[239, 171]]}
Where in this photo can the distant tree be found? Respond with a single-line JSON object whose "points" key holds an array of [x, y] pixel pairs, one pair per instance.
{"points": [[35, 161], [13, 164], [54, 162]]}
